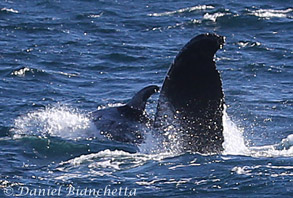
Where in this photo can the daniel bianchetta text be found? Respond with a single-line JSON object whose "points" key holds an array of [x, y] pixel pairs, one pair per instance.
{"points": [[71, 191]]}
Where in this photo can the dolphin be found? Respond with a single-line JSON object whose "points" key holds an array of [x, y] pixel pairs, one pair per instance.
{"points": [[191, 100]]}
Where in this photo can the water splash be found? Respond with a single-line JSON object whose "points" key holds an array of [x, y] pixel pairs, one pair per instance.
{"points": [[234, 143], [69, 123], [59, 121]]}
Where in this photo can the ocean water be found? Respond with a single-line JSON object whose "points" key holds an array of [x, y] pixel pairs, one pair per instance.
{"points": [[60, 60]]}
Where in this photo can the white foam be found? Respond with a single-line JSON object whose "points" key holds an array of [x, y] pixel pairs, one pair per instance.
{"points": [[21, 72], [189, 9], [104, 163], [9, 10], [60, 121], [234, 143], [213, 17], [284, 149], [245, 170], [270, 13], [69, 123], [270, 171], [105, 155], [96, 15]]}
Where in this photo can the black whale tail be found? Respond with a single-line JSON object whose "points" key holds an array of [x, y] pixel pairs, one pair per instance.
{"points": [[192, 98], [190, 106]]}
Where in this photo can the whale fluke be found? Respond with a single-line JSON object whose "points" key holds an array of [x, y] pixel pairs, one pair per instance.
{"points": [[190, 106], [192, 99]]}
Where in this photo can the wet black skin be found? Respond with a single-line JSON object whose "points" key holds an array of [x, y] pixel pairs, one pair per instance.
{"points": [[126, 123], [191, 101], [193, 98]]}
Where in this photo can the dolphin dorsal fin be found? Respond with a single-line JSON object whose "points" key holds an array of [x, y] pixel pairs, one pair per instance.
{"points": [[139, 100]]}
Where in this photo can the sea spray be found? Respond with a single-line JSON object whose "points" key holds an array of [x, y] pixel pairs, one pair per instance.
{"points": [[59, 121], [234, 142]]}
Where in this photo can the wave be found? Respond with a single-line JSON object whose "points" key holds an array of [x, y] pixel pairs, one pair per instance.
{"points": [[223, 17], [9, 10], [270, 13], [271, 171], [235, 143], [89, 15], [284, 149], [215, 16], [107, 155], [109, 163], [70, 124], [23, 71], [104, 163], [189, 9]]}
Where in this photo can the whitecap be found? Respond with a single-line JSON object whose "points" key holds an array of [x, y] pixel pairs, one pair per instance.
{"points": [[21, 72], [245, 170], [189, 9], [104, 163], [9, 10], [96, 15], [270, 13], [213, 17], [63, 73], [267, 170], [114, 159], [284, 149]]}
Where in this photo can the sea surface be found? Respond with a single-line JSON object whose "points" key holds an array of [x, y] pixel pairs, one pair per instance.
{"points": [[61, 60]]}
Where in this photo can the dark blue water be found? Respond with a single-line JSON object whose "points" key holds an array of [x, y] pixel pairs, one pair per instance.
{"points": [[60, 60]]}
